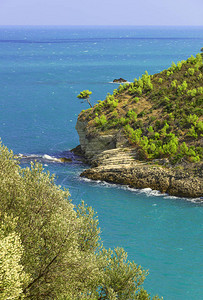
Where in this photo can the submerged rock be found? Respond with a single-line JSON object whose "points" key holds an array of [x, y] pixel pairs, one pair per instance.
{"points": [[65, 159]]}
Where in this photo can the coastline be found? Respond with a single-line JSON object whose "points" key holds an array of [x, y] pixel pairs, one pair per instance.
{"points": [[149, 134], [112, 160], [156, 178]]}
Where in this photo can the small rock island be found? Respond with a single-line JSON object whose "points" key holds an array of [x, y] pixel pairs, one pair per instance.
{"points": [[149, 133], [120, 80]]}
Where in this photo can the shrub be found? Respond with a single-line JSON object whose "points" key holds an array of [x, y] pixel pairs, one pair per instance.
{"points": [[183, 149], [191, 59], [192, 93], [192, 132], [192, 119], [115, 92], [169, 73], [13, 278], [120, 89], [123, 121], [156, 135], [171, 147], [140, 83], [200, 90], [136, 99], [142, 114], [171, 117], [132, 115], [115, 114], [100, 121], [200, 127], [133, 135], [179, 65], [199, 77], [139, 90], [146, 82], [132, 90], [164, 129], [173, 66], [174, 84], [194, 158], [150, 129], [182, 88], [165, 101], [191, 71], [50, 249], [152, 148]]}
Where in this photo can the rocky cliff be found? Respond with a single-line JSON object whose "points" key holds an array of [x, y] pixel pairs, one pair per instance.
{"points": [[149, 133], [113, 160], [93, 144]]}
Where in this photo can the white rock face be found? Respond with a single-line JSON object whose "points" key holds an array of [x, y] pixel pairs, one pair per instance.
{"points": [[94, 144]]}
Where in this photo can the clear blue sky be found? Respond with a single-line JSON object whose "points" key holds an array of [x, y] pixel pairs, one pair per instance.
{"points": [[101, 12]]}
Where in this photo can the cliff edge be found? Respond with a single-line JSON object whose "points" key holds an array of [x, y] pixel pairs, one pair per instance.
{"points": [[149, 133]]}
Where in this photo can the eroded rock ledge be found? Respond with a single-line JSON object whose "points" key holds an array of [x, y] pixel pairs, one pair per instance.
{"points": [[112, 160]]}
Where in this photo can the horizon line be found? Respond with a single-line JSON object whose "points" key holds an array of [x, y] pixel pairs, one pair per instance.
{"points": [[82, 25]]}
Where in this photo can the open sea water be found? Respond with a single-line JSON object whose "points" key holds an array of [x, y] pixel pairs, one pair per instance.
{"points": [[42, 70]]}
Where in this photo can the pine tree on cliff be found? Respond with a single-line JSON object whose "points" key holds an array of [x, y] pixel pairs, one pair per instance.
{"points": [[85, 95]]}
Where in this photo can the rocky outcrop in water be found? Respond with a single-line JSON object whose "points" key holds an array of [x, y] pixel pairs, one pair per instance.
{"points": [[120, 80], [113, 160]]}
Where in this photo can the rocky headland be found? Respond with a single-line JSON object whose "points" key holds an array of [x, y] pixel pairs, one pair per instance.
{"points": [[149, 134], [113, 160]]}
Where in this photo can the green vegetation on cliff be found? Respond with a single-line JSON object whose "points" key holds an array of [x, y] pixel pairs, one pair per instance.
{"points": [[85, 95], [161, 114], [50, 249]]}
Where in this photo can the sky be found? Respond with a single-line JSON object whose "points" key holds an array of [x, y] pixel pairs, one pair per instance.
{"points": [[101, 12]]}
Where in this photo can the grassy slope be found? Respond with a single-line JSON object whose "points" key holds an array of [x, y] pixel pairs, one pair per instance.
{"points": [[160, 114]]}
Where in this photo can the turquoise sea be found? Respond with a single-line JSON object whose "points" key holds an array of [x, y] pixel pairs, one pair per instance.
{"points": [[42, 69]]}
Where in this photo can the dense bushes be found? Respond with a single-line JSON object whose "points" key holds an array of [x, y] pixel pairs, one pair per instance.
{"points": [[162, 144], [50, 249], [170, 103]]}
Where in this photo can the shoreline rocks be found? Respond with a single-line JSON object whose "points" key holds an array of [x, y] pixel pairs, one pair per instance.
{"points": [[113, 160], [142, 176]]}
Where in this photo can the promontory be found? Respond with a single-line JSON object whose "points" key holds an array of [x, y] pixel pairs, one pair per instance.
{"points": [[149, 133]]}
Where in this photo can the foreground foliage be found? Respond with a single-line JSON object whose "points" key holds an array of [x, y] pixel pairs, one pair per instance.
{"points": [[50, 249]]}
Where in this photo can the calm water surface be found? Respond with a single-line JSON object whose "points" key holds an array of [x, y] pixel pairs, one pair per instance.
{"points": [[42, 70]]}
